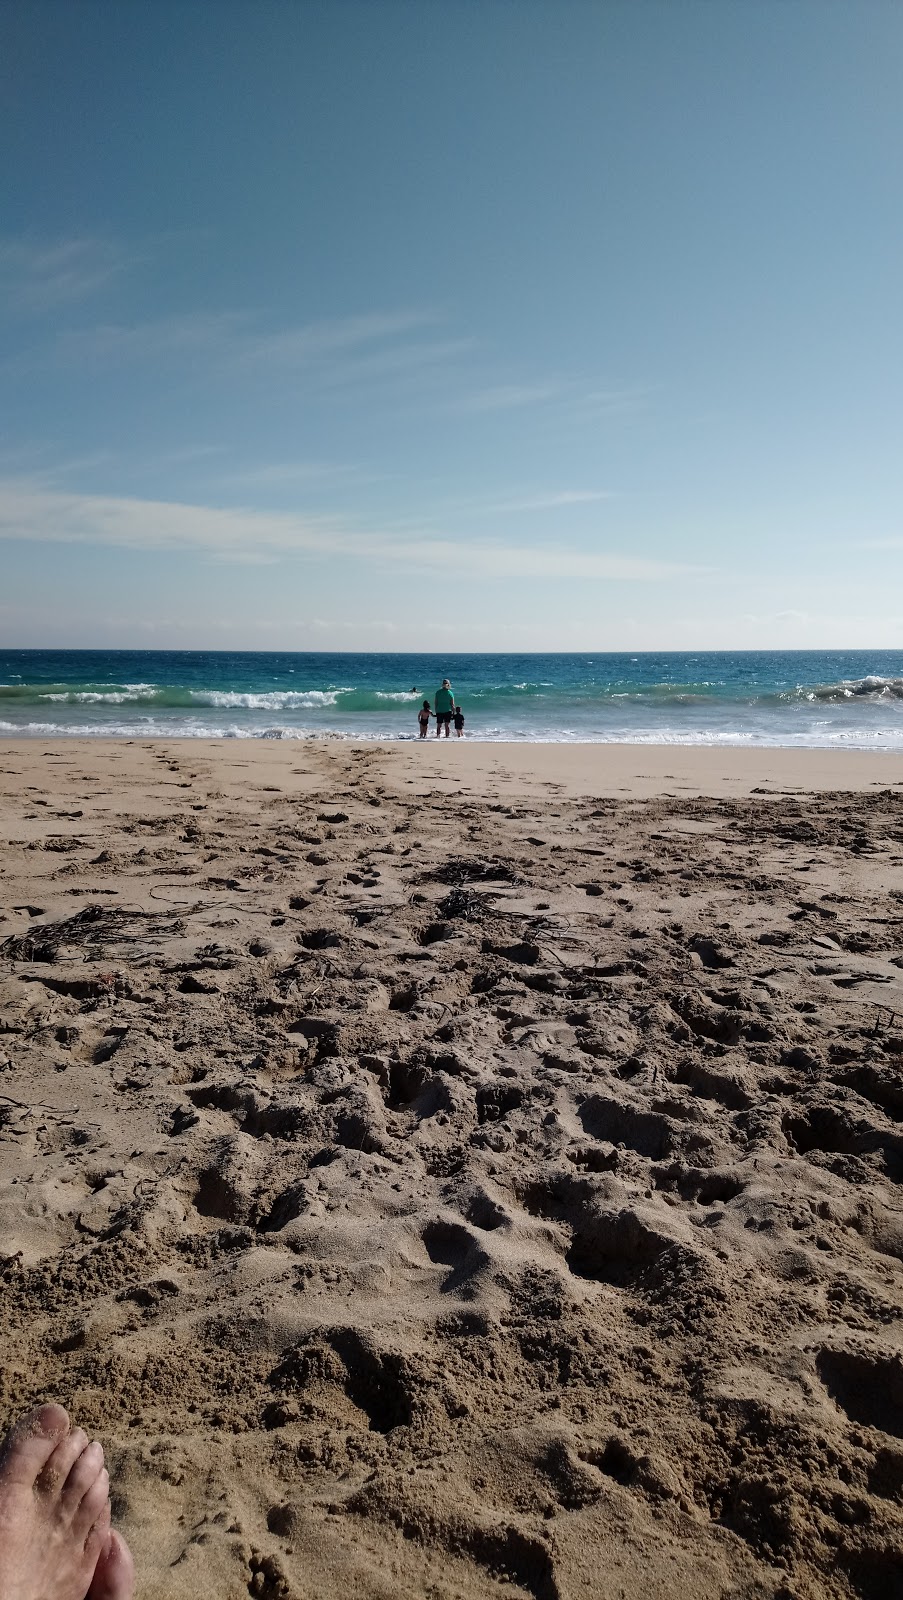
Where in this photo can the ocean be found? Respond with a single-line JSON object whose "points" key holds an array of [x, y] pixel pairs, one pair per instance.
{"points": [[833, 699]]}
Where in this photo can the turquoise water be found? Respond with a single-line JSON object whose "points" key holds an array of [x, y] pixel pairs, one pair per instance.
{"points": [[817, 698]]}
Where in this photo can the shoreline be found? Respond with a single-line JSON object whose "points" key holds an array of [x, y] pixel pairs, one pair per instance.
{"points": [[574, 769]]}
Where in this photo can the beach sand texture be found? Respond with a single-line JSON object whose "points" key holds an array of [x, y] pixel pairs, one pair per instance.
{"points": [[462, 1172]]}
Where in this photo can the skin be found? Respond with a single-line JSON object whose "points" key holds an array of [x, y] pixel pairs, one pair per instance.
{"points": [[56, 1542]]}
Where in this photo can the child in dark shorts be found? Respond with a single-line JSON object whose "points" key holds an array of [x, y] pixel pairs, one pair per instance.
{"points": [[423, 717], [458, 720]]}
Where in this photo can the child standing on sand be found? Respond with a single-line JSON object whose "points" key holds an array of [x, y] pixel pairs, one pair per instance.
{"points": [[458, 720], [423, 717]]}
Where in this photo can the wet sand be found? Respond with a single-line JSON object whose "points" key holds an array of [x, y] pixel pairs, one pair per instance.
{"points": [[462, 1171]]}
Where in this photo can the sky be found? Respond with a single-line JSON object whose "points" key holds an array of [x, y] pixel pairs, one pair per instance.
{"points": [[451, 324]]}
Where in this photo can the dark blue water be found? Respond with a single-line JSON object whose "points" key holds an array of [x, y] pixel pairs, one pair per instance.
{"points": [[826, 698]]}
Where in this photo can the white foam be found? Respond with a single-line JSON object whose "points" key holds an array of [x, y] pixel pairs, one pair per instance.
{"points": [[276, 700], [101, 697]]}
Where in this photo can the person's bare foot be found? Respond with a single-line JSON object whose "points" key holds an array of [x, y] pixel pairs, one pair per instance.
{"points": [[55, 1515]]}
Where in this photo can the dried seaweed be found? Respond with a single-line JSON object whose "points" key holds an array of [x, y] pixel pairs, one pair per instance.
{"points": [[464, 869], [91, 931], [462, 903]]}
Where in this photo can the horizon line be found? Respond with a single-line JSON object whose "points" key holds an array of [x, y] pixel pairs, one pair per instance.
{"points": [[763, 650]]}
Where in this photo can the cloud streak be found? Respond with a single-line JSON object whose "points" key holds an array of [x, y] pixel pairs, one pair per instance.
{"points": [[313, 340], [236, 338], [188, 334], [37, 277], [555, 501], [33, 513], [409, 349], [510, 396]]}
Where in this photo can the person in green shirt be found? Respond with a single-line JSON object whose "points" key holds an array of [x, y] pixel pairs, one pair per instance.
{"points": [[445, 705]]}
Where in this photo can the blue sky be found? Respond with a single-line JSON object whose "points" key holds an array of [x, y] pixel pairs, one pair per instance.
{"points": [[446, 324]]}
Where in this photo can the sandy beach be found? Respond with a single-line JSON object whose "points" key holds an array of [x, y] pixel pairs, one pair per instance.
{"points": [[463, 1170]]}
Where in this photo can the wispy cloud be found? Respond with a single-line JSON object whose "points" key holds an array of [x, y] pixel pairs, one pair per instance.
{"points": [[34, 513], [36, 276], [555, 501], [288, 474], [410, 350], [216, 333], [407, 350], [618, 401], [311, 341], [570, 393], [237, 337], [39, 462], [346, 352], [509, 396], [413, 362], [188, 453]]}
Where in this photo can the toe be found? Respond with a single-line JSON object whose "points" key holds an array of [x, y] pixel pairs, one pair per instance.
{"points": [[59, 1464], [91, 1504], [30, 1444], [114, 1575], [98, 1538], [83, 1473]]}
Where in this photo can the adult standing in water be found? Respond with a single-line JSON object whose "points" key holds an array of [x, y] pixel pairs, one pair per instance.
{"points": [[445, 705]]}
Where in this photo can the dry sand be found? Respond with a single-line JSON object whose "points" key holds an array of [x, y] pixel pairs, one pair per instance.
{"points": [[462, 1172]]}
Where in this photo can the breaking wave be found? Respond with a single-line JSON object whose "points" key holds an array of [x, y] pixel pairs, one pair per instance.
{"points": [[870, 688], [276, 700]]}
